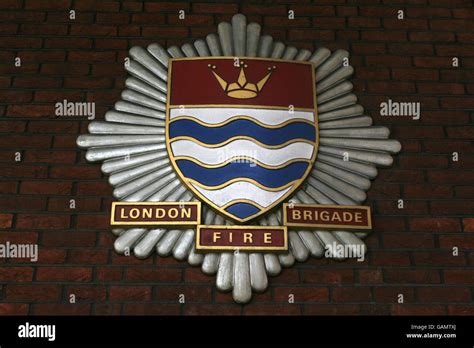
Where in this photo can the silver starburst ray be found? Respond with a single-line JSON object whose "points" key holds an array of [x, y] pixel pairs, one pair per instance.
{"points": [[131, 145]]}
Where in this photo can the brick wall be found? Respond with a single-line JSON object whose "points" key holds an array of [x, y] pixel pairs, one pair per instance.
{"points": [[406, 60]]}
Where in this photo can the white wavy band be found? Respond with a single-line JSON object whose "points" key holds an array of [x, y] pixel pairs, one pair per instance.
{"points": [[242, 190], [269, 117], [242, 148]]}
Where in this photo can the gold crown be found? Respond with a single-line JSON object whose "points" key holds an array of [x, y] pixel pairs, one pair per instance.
{"points": [[242, 89]]}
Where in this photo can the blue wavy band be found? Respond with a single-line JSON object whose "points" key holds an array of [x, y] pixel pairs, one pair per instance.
{"points": [[267, 136], [242, 210], [268, 177]]}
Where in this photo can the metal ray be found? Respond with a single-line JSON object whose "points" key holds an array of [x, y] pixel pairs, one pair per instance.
{"points": [[149, 62], [139, 110], [137, 70], [258, 274], [330, 64], [319, 56], [390, 145], [135, 172], [367, 170], [377, 158], [122, 117], [225, 272], [242, 290], [239, 34], [128, 239], [346, 100], [253, 36], [330, 192], [350, 111], [350, 191], [333, 79], [359, 121], [195, 259], [353, 179], [373, 132], [214, 45], [159, 53], [95, 154], [290, 53], [300, 252], [201, 48], [90, 140], [225, 36], [145, 247], [175, 52], [189, 50], [139, 184], [143, 100], [99, 127], [265, 46], [335, 92], [278, 49], [183, 245], [303, 55], [144, 88]]}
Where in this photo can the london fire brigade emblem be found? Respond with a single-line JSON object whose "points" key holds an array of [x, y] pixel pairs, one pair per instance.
{"points": [[240, 155], [232, 136]]}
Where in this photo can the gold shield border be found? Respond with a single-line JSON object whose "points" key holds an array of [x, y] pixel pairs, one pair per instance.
{"points": [[185, 181]]}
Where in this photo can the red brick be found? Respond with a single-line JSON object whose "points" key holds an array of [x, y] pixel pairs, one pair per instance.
{"points": [[389, 258], [445, 294], [88, 256], [97, 5], [16, 274], [155, 18], [271, 309], [87, 292], [331, 309], [416, 276], [437, 224], [390, 294], [203, 309], [47, 4], [319, 276], [14, 309], [33, 292], [370, 276], [416, 309], [151, 309], [173, 294], [411, 241], [6, 220], [153, 275], [48, 29], [68, 274], [167, 6], [305, 295], [61, 309], [363, 22], [113, 18], [438, 258], [29, 110], [353, 294], [462, 242], [93, 221], [26, 221], [75, 43], [431, 36], [458, 276], [129, 293], [461, 309], [452, 207], [42, 187]]}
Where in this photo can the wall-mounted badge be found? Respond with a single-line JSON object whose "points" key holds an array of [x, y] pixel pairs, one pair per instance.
{"points": [[240, 155]]}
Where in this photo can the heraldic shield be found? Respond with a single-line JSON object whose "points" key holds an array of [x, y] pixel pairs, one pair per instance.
{"points": [[241, 133]]}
